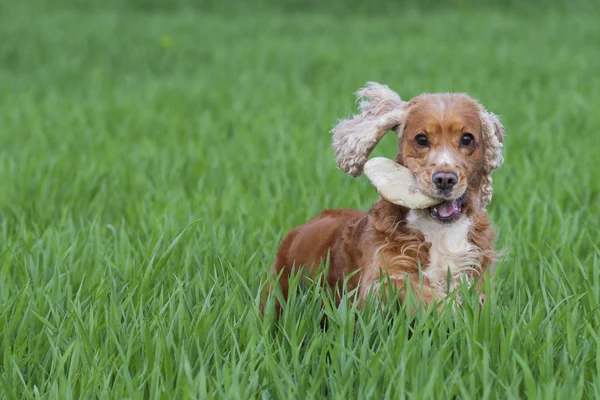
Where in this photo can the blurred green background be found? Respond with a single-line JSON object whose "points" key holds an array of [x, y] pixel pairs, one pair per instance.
{"points": [[153, 153]]}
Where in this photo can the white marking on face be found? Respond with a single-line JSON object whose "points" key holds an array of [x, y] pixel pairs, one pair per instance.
{"points": [[443, 158], [451, 251], [442, 107]]}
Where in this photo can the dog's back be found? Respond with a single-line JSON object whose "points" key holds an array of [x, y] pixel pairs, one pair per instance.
{"points": [[307, 246]]}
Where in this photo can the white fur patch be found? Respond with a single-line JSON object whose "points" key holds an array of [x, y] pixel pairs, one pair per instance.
{"points": [[451, 254], [442, 158], [442, 106]]}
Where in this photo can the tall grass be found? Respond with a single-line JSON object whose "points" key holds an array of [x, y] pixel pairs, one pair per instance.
{"points": [[152, 158]]}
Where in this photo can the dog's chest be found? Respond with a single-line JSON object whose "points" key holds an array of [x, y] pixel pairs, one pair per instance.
{"points": [[451, 256]]}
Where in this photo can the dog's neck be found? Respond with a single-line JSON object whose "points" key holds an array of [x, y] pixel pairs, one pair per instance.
{"points": [[452, 254], [452, 250]]}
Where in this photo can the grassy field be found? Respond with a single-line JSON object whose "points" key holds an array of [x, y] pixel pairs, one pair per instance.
{"points": [[152, 157]]}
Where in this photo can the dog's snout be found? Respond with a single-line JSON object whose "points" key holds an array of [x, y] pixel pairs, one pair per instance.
{"points": [[445, 180]]}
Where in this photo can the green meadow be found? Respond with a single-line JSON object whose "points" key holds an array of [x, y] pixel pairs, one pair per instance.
{"points": [[153, 154]]}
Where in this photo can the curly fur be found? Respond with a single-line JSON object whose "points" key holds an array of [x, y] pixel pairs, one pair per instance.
{"points": [[381, 109], [389, 239], [494, 136]]}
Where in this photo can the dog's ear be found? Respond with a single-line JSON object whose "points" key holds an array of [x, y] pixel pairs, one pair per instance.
{"points": [[493, 133], [381, 110], [498, 128]]}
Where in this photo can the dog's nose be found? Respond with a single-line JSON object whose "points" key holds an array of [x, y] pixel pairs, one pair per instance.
{"points": [[445, 180]]}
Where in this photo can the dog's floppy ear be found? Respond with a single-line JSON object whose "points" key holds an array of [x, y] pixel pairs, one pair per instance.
{"points": [[493, 133], [381, 110], [498, 128]]}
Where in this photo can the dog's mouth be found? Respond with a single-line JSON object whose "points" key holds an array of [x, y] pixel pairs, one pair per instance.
{"points": [[449, 210]]}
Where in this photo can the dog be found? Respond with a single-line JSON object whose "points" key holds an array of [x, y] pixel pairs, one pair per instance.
{"points": [[451, 144]]}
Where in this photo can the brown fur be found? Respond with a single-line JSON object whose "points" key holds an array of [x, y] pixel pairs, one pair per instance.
{"points": [[383, 240]]}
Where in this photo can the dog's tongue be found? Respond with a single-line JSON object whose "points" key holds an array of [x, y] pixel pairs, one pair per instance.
{"points": [[448, 208]]}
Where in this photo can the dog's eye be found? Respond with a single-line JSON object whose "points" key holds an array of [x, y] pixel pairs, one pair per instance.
{"points": [[422, 140], [467, 140]]}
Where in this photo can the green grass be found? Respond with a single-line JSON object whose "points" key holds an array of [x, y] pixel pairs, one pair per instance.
{"points": [[151, 158]]}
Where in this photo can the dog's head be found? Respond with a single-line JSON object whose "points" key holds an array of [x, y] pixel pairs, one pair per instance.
{"points": [[449, 142]]}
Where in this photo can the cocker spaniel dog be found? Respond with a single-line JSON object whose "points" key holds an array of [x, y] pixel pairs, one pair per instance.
{"points": [[451, 144]]}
